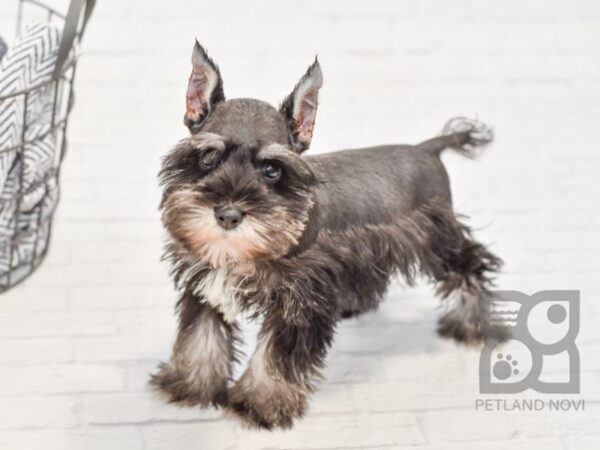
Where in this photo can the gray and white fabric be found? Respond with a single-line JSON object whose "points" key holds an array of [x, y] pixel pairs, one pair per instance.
{"points": [[3, 48], [32, 225], [29, 62], [28, 187]]}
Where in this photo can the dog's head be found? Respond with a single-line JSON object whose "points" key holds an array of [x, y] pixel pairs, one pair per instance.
{"points": [[237, 190]]}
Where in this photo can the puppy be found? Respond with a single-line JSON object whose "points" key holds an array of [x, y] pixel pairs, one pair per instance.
{"points": [[303, 242]]}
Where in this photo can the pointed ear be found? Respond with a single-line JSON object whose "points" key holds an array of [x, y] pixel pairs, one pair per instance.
{"points": [[300, 107], [205, 89]]}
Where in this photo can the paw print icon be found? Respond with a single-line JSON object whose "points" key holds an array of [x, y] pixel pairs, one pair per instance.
{"points": [[503, 368], [541, 353]]}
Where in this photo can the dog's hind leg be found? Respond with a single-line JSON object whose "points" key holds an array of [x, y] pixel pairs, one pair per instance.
{"points": [[462, 269]]}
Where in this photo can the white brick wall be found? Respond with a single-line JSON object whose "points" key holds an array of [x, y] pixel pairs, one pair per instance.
{"points": [[79, 338]]}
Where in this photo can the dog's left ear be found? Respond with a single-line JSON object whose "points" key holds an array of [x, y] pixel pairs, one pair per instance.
{"points": [[205, 89], [300, 107]]}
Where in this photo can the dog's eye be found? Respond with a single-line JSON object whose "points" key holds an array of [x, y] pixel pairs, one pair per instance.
{"points": [[208, 159], [271, 172]]}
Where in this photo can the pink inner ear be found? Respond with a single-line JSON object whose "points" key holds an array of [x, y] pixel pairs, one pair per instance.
{"points": [[196, 102], [305, 120]]}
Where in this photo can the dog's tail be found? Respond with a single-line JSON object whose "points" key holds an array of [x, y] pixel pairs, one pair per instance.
{"points": [[466, 136]]}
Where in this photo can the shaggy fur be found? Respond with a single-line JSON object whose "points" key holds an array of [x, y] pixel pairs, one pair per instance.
{"points": [[319, 239]]}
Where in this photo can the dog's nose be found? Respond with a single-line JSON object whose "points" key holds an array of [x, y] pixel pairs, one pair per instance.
{"points": [[228, 217]]}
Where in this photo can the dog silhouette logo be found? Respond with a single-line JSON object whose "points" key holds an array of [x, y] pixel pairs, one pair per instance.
{"points": [[540, 353]]}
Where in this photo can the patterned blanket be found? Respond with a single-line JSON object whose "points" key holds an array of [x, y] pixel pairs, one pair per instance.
{"points": [[28, 187]]}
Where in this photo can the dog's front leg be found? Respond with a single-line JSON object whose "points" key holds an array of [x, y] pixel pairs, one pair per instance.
{"points": [[200, 366], [290, 351]]}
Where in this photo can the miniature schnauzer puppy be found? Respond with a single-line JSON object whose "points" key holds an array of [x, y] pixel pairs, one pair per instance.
{"points": [[301, 241]]}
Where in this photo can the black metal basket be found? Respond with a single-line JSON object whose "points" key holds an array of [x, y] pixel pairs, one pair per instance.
{"points": [[23, 247]]}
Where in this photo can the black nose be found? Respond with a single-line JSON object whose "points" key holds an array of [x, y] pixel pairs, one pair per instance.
{"points": [[228, 217]]}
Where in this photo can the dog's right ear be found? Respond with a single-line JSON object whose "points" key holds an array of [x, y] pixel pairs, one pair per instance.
{"points": [[205, 89]]}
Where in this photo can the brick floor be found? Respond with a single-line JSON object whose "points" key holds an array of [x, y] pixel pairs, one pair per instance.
{"points": [[78, 339]]}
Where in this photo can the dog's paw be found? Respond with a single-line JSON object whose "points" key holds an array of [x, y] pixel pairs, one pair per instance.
{"points": [[469, 332], [267, 411], [177, 388]]}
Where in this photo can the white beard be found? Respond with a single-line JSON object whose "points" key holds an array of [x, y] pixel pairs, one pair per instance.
{"points": [[221, 248]]}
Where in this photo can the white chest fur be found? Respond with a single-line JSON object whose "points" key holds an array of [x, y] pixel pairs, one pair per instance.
{"points": [[217, 289]]}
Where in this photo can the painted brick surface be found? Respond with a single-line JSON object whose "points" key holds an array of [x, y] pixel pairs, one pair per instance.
{"points": [[78, 340]]}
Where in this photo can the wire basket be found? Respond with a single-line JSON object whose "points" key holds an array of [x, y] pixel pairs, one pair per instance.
{"points": [[26, 209]]}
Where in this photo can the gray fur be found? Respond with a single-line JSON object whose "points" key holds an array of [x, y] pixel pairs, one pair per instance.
{"points": [[319, 244]]}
